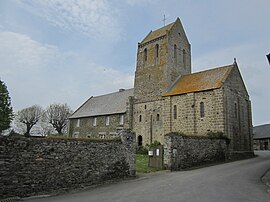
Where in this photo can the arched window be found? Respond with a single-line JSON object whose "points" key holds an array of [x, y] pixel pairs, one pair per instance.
{"points": [[184, 58], [235, 110], [174, 111], [202, 109], [156, 53], [140, 140], [175, 53], [140, 118], [145, 55], [158, 117]]}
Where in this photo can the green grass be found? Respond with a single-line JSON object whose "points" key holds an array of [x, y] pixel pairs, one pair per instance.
{"points": [[142, 164]]}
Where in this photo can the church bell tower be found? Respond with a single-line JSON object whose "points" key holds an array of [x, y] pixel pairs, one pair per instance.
{"points": [[162, 56]]}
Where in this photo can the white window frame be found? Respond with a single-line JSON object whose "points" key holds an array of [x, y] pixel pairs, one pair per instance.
{"points": [[95, 121], [76, 134], [121, 119], [107, 120], [113, 134], [78, 123], [102, 135]]}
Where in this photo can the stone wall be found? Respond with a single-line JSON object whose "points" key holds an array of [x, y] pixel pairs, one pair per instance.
{"points": [[237, 107], [86, 127], [31, 166], [181, 152], [189, 120]]}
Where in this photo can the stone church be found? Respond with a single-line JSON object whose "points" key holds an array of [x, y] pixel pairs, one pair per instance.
{"points": [[167, 97]]}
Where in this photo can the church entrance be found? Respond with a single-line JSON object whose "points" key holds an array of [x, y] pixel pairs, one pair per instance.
{"points": [[140, 140]]}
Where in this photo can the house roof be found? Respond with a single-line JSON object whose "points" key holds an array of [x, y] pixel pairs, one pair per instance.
{"points": [[113, 103], [200, 81], [157, 33], [261, 132]]}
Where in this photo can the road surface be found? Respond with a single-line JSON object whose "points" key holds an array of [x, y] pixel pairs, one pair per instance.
{"points": [[235, 181]]}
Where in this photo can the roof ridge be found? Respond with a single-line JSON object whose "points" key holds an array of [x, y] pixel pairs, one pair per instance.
{"points": [[113, 93], [215, 68]]}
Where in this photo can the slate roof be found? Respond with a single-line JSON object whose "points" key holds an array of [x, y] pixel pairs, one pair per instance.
{"points": [[113, 103], [200, 81], [261, 132], [157, 33]]}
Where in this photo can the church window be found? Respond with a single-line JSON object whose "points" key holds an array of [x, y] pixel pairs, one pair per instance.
{"points": [[145, 55], [107, 120], [175, 53], [235, 110], [158, 117], [121, 119], [156, 53], [95, 121], [184, 58], [174, 111], [78, 123], [140, 118], [202, 109]]}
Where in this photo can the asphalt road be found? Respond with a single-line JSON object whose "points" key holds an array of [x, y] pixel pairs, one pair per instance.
{"points": [[235, 181]]}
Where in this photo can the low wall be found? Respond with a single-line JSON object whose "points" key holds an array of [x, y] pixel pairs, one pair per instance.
{"points": [[181, 152], [31, 166]]}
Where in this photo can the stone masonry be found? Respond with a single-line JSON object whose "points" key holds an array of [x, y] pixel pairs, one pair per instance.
{"points": [[31, 166], [182, 152]]}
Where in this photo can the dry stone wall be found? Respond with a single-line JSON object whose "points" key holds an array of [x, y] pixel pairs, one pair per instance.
{"points": [[181, 152], [30, 166]]}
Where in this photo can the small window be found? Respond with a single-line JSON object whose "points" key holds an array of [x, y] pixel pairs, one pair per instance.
{"points": [[95, 121], [145, 55], [174, 111], [102, 136], [156, 53], [235, 110], [144, 106], [76, 135], [140, 118], [184, 58], [107, 120], [202, 109], [78, 123], [158, 117], [112, 134], [175, 51], [157, 50], [121, 119]]}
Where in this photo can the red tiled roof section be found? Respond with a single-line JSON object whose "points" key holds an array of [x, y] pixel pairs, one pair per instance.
{"points": [[201, 81], [157, 33]]}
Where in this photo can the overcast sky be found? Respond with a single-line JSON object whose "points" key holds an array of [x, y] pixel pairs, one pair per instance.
{"points": [[64, 51]]}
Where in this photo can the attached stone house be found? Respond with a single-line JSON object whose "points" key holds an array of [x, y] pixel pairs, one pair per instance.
{"points": [[167, 97], [102, 116], [261, 137]]}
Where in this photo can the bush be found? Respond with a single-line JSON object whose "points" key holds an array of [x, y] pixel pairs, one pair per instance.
{"points": [[141, 150]]}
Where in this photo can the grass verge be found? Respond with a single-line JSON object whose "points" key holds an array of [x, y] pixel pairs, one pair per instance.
{"points": [[142, 164]]}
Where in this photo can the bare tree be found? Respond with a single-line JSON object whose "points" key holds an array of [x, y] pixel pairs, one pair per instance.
{"points": [[29, 116], [57, 115]]}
